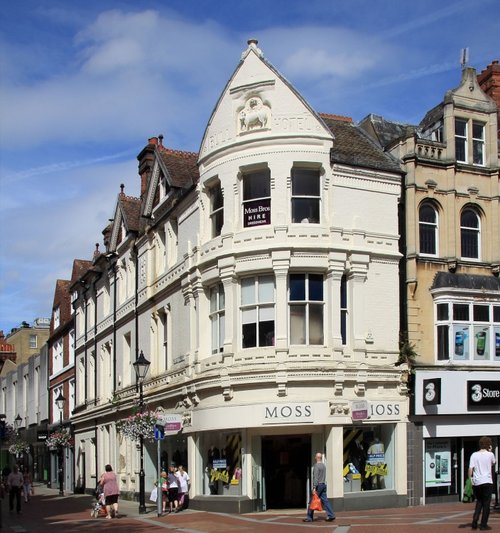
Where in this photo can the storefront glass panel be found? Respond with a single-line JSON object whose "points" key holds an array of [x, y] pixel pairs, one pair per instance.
{"points": [[221, 453], [368, 458]]}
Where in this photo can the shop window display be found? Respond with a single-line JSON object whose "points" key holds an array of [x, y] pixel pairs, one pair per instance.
{"points": [[222, 473], [368, 458]]}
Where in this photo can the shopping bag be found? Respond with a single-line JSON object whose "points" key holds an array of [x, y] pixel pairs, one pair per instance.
{"points": [[154, 495], [315, 504]]}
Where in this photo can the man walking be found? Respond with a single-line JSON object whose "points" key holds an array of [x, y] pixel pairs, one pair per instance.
{"points": [[480, 470], [15, 485], [319, 488]]}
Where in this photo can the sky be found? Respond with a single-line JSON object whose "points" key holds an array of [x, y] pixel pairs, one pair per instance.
{"points": [[85, 83]]}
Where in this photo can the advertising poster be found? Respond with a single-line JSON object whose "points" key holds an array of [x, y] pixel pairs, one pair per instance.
{"points": [[481, 343], [497, 344], [437, 463], [460, 342]]}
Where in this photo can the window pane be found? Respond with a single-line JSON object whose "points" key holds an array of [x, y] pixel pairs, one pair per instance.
{"points": [[469, 219], [427, 236], [343, 292], [266, 313], [460, 312], [266, 289], [222, 330], [217, 223], [496, 313], [481, 313], [427, 214], [297, 287], [316, 324], [249, 315], [442, 311], [477, 130], [248, 291], [460, 149], [478, 152], [266, 333], [256, 185], [443, 343], [222, 299], [316, 287], [249, 335], [305, 182], [217, 198], [460, 127], [469, 243], [305, 210], [297, 324], [213, 299]]}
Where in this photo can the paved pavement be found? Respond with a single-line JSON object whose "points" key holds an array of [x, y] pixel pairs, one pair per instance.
{"points": [[48, 512]]}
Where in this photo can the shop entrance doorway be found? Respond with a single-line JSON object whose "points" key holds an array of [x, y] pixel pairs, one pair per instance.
{"points": [[286, 464]]}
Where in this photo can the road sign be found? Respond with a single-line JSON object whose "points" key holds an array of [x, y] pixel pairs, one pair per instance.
{"points": [[159, 432]]}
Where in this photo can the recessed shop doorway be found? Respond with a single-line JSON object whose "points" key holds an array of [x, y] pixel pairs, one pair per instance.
{"points": [[286, 464]]}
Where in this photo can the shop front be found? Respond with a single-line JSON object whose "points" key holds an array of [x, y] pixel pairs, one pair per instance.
{"points": [[267, 464], [454, 409]]}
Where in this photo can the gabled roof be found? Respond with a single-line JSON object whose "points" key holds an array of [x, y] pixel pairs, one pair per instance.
{"points": [[80, 266], [131, 211], [352, 146], [181, 168]]}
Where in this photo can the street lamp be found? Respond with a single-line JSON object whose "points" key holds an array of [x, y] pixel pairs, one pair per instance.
{"points": [[60, 404], [141, 367]]}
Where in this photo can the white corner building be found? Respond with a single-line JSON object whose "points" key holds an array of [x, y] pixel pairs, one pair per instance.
{"points": [[260, 277]]}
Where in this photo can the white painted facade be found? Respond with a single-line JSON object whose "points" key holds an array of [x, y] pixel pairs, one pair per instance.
{"points": [[253, 393]]}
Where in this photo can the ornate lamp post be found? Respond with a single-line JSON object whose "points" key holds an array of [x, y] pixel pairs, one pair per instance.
{"points": [[141, 367], [17, 425], [60, 400]]}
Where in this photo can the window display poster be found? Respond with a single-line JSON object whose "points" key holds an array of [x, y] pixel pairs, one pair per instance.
{"points": [[497, 343], [437, 463], [481, 343], [461, 342]]}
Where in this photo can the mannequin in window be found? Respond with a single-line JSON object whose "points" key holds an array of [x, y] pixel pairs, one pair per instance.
{"points": [[376, 458]]}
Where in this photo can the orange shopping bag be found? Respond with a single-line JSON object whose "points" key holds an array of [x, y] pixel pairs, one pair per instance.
{"points": [[315, 504]]}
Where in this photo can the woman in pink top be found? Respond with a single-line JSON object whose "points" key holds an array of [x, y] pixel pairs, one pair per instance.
{"points": [[111, 491]]}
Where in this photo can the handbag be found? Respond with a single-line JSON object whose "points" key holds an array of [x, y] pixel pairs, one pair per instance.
{"points": [[315, 503]]}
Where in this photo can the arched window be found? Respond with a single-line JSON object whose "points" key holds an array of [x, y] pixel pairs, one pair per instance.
{"points": [[428, 229], [469, 233]]}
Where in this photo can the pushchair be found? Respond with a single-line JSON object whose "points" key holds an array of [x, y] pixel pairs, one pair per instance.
{"points": [[99, 507]]}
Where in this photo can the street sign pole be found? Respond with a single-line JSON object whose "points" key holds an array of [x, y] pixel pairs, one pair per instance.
{"points": [[159, 492]]}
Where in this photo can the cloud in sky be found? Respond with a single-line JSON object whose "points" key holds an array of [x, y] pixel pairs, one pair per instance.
{"points": [[83, 86]]}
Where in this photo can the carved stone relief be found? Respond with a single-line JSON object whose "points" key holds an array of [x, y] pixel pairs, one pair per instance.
{"points": [[255, 115]]}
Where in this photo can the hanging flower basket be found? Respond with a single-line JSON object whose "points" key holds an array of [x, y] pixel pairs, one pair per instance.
{"points": [[59, 438], [19, 447], [137, 425]]}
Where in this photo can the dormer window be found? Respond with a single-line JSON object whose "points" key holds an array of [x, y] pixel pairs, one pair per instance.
{"points": [[466, 131], [164, 187], [57, 317], [478, 143]]}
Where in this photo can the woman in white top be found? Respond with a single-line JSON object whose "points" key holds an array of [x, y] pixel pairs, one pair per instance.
{"points": [[184, 482], [480, 471]]}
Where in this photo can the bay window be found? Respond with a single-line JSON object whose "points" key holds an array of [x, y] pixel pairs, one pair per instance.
{"points": [[257, 198], [305, 195], [468, 331], [257, 311], [306, 304], [217, 317]]}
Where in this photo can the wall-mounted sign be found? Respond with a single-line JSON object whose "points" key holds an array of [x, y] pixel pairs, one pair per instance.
{"points": [[257, 213], [288, 413], [431, 394], [42, 435], [482, 393], [171, 422], [359, 410]]}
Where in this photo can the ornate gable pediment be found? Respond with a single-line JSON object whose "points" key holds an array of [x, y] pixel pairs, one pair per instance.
{"points": [[158, 187], [256, 103]]}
